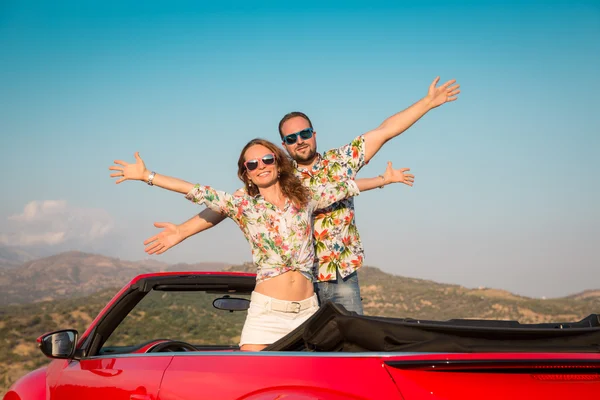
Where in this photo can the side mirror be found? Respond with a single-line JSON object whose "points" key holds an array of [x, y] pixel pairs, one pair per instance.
{"points": [[59, 344], [231, 303]]}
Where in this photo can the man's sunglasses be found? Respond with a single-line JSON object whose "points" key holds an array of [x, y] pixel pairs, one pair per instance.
{"points": [[267, 159], [305, 134]]}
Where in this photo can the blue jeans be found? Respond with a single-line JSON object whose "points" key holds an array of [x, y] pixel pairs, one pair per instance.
{"points": [[344, 291]]}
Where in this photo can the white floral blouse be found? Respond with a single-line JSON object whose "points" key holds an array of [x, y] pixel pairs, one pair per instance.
{"points": [[281, 240]]}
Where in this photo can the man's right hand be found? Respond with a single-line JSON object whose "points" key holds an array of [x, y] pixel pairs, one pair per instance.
{"points": [[169, 237], [174, 234]]}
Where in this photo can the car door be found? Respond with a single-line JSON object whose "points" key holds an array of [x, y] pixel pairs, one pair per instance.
{"points": [[127, 377], [276, 375]]}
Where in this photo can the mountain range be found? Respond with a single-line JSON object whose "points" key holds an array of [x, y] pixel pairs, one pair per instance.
{"points": [[76, 274]]}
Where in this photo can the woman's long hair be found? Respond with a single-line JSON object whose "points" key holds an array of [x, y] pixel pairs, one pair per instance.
{"points": [[291, 186]]}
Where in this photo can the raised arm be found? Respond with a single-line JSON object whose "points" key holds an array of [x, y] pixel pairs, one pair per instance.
{"points": [[332, 192], [224, 203], [139, 172], [389, 176], [398, 123], [172, 234]]}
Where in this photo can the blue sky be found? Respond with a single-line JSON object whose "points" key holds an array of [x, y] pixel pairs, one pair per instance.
{"points": [[506, 192]]}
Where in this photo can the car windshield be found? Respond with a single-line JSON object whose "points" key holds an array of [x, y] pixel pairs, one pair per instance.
{"points": [[184, 316]]}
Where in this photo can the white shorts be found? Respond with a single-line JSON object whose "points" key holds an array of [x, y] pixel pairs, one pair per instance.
{"points": [[271, 319]]}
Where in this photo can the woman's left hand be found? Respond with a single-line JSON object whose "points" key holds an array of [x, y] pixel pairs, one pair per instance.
{"points": [[398, 175], [132, 172]]}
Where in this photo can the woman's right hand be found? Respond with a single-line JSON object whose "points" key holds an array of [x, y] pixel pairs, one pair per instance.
{"points": [[133, 172]]}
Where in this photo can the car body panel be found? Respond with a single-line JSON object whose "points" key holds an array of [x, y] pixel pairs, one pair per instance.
{"points": [[491, 386], [496, 376], [266, 377], [31, 386], [111, 378]]}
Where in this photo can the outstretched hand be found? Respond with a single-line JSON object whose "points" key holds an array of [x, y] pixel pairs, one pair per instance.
{"points": [[398, 175], [437, 96], [128, 171], [169, 237]]}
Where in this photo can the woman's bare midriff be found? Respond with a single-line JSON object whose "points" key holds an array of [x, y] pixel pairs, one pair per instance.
{"points": [[290, 286]]}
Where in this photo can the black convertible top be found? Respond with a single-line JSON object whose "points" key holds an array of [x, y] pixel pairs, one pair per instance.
{"points": [[333, 328]]}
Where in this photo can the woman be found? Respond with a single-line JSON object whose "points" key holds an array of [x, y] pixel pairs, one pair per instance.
{"points": [[275, 213]]}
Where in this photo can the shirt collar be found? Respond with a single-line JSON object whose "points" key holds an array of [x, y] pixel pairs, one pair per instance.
{"points": [[316, 166], [259, 197]]}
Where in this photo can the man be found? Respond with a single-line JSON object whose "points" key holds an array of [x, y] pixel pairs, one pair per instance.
{"points": [[338, 247]]}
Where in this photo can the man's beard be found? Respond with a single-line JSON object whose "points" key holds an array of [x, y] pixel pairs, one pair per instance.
{"points": [[308, 158]]}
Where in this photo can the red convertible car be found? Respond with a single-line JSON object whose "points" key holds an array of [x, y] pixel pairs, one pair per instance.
{"points": [[173, 336]]}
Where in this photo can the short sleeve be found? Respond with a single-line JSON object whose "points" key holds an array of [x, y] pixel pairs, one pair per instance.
{"points": [[350, 156], [225, 203], [330, 193]]}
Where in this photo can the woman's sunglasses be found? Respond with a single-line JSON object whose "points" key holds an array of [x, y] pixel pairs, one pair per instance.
{"points": [[267, 159], [305, 134]]}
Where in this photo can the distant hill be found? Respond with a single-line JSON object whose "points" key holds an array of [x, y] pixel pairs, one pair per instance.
{"points": [[397, 296], [586, 294], [75, 274], [12, 257]]}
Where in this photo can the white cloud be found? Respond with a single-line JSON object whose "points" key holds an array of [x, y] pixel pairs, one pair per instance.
{"points": [[39, 210], [54, 222]]}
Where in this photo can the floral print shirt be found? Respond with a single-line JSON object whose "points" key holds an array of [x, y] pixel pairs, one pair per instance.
{"points": [[281, 239], [337, 242]]}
